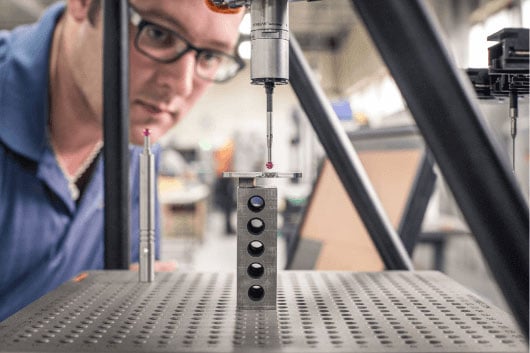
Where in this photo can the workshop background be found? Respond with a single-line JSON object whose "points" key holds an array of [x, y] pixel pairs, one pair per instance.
{"points": [[226, 132]]}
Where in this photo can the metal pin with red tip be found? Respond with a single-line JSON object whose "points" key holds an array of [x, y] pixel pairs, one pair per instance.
{"points": [[147, 211], [147, 140]]}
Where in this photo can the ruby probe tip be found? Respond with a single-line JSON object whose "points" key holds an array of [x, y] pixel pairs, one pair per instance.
{"points": [[147, 132], [269, 165]]}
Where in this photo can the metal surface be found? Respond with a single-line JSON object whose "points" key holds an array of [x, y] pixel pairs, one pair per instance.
{"points": [[442, 105], [346, 162], [317, 312], [116, 133], [256, 291]]}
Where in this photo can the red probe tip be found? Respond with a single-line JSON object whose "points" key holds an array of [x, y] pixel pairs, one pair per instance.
{"points": [[269, 165], [147, 132]]}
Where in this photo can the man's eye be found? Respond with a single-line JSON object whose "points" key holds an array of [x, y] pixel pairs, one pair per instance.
{"points": [[158, 36], [210, 59]]}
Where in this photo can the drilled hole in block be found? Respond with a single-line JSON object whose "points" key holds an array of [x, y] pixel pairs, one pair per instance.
{"points": [[256, 203], [255, 270], [256, 293], [256, 226], [255, 248]]}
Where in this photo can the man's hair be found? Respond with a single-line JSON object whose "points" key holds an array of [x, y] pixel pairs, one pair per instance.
{"points": [[93, 11]]}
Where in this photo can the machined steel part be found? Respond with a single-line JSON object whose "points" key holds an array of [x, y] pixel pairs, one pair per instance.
{"points": [[395, 311], [257, 212]]}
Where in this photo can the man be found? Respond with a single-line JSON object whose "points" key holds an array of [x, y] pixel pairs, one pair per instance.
{"points": [[51, 183]]}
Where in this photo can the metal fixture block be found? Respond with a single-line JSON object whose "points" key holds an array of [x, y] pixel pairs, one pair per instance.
{"points": [[256, 246]]}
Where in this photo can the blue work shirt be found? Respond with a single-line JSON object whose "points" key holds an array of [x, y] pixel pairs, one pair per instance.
{"points": [[46, 238]]}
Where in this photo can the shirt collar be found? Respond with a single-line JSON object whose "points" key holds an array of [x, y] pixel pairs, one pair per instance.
{"points": [[24, 79]]}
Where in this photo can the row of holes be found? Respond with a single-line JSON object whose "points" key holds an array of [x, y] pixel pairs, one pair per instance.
{"points": [[340, 291], [255, 248]]}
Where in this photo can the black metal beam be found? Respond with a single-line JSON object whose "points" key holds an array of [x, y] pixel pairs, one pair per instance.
{"points": [[417, 202], [116, 133], [345, 161], [441, 103]]}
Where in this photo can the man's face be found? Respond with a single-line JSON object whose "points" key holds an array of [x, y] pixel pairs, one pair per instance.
{"points": [[162, 93]]}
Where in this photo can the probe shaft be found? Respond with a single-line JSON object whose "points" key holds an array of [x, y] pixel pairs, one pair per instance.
{"points": [[269, 87], [513, 119]]}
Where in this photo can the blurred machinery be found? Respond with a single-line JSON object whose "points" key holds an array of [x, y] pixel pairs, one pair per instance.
{"points": [[507, 74]]}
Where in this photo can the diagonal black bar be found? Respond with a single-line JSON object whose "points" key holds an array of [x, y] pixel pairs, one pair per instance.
{"points": [[346, 162], [442, 105], [116, 133], [417, 202]]}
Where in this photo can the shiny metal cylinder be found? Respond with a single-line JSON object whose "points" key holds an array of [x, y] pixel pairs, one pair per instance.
{"points": [[147, 217], [269, 61]]}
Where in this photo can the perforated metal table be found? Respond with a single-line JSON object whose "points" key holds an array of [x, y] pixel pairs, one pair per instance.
{"points": [[109, 311]]}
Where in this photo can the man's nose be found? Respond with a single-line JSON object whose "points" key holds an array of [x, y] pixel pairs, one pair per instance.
{"points": [[178, 76]]}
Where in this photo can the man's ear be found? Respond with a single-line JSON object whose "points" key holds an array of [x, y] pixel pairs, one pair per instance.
{"points": [[79, 9]]}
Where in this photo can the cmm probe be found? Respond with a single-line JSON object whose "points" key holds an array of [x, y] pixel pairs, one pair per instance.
{"points": [[269, 58]]}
